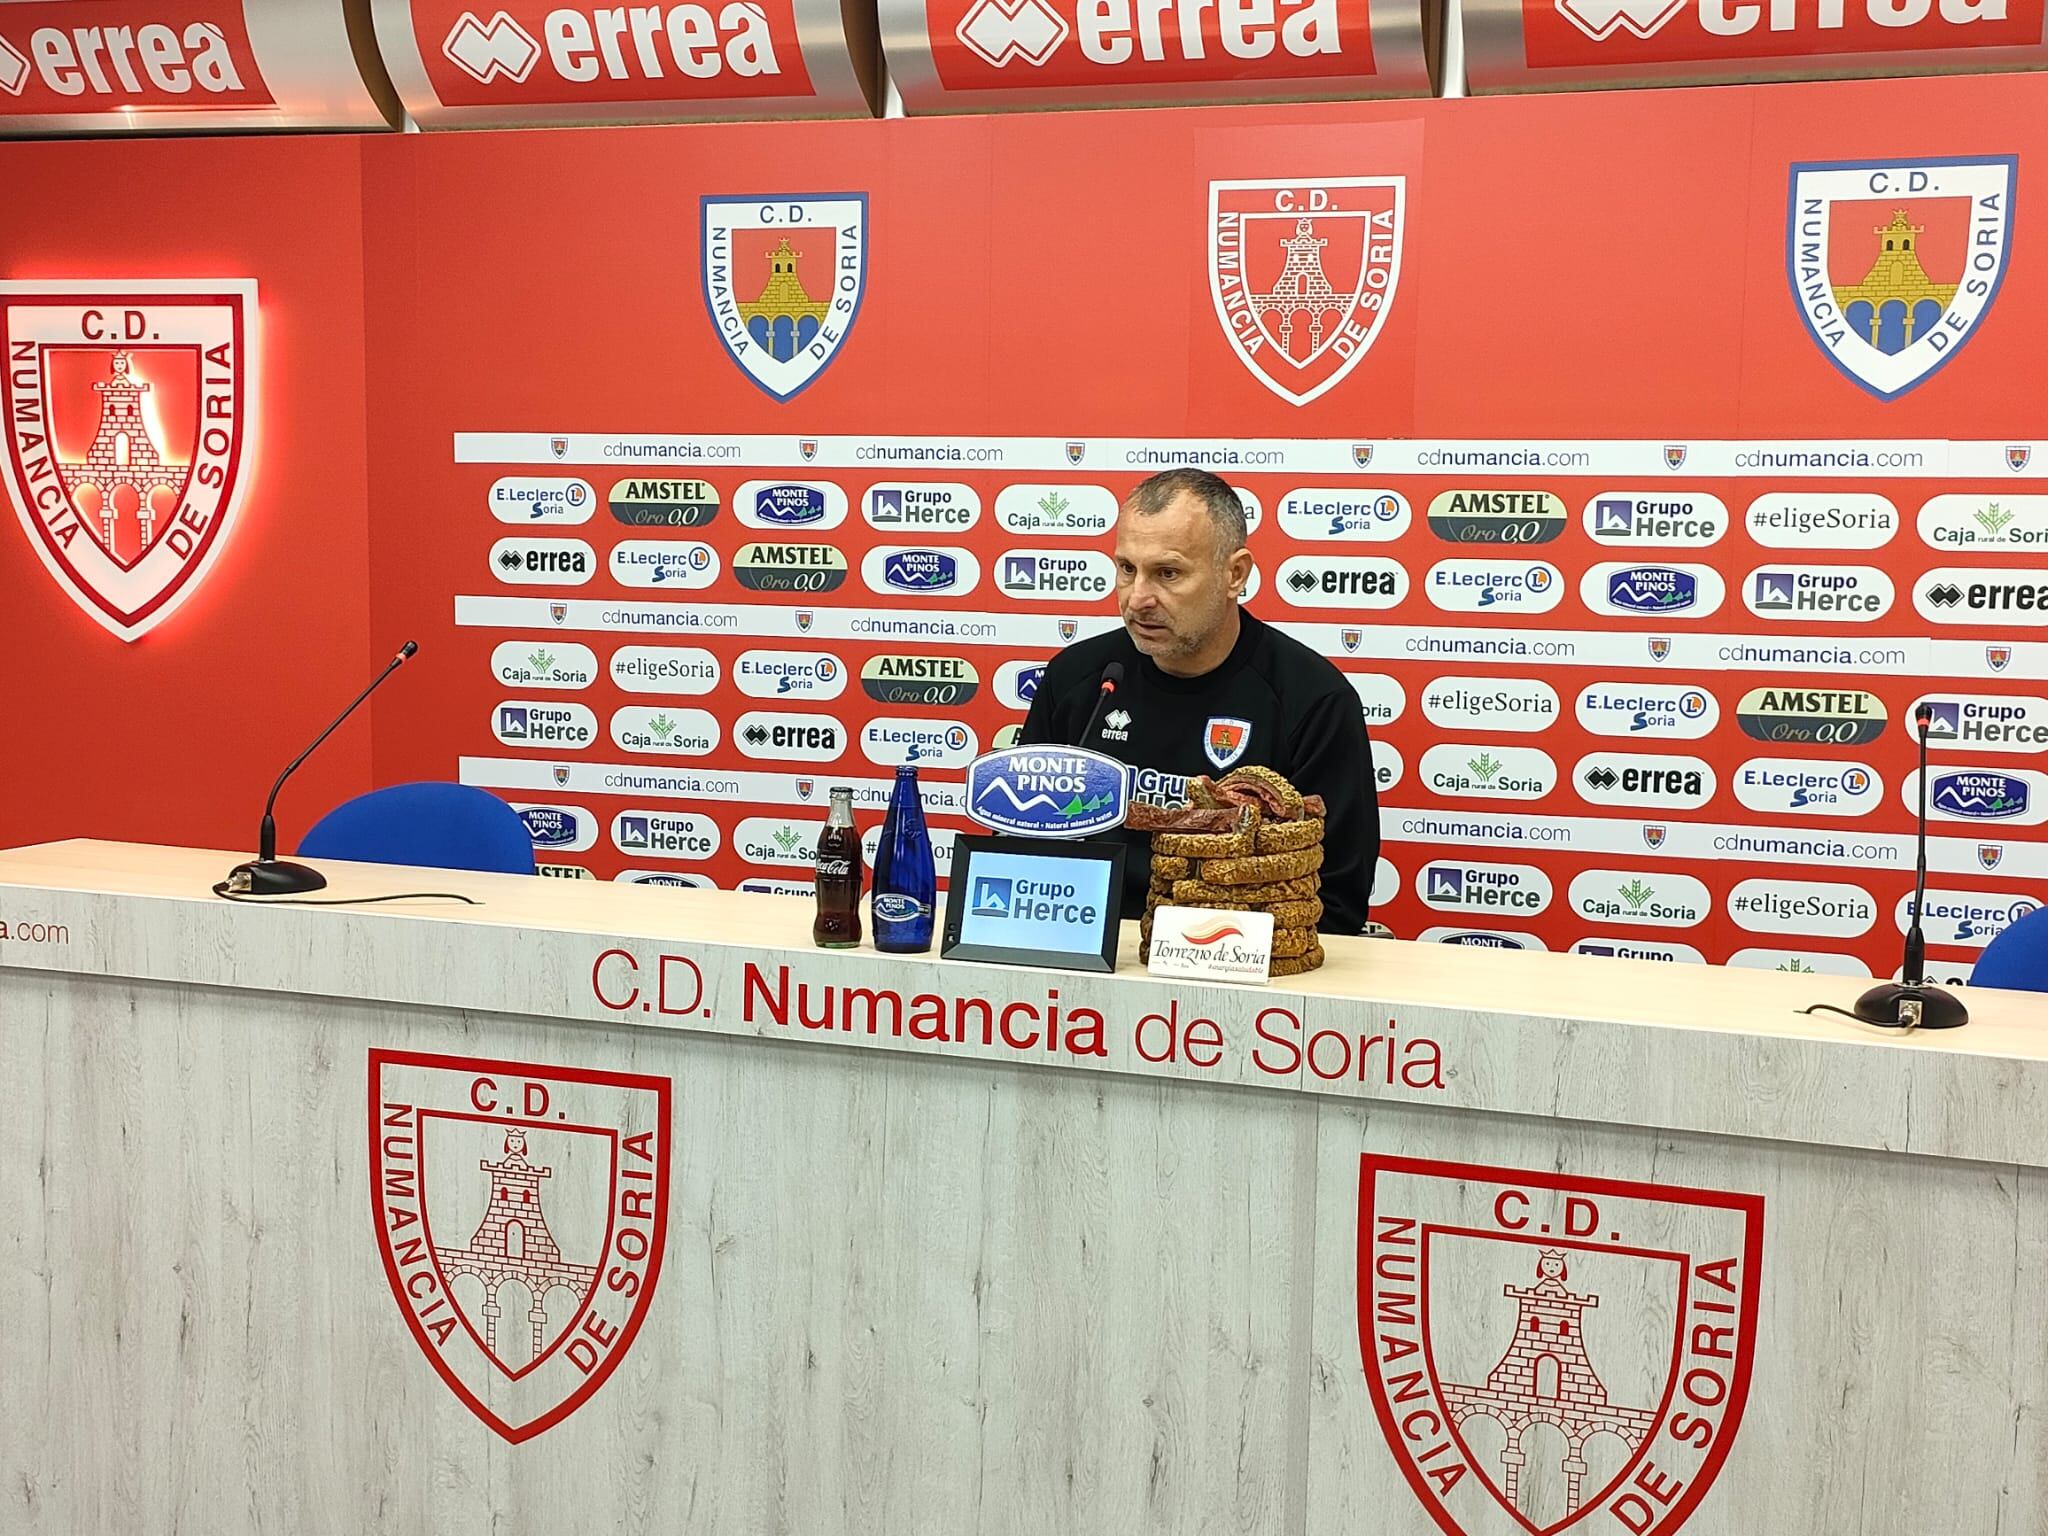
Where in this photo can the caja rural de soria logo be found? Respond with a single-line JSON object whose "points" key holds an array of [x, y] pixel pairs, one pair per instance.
{"points": [[128, 420]]}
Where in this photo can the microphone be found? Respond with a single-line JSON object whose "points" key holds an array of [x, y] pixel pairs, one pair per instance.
{"points": [[1909, 1002], [267, 874], [1112, 675]]}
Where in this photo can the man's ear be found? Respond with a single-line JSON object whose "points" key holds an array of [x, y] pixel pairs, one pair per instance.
{"points": [[1238, 569]]}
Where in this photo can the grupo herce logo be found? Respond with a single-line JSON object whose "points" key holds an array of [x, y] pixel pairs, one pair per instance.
{"points": [[1477, 1290], [1982, 722], [1674, 519], [1496, 517], [1457, 885], [1303, 274], [128, 410], [1895, 264], [559, 1179], [783, 280], [1836, 717], [921, 507], [665, 834], [1829, 594]]}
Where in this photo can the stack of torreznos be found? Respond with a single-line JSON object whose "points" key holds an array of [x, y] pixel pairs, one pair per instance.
{"points": [[1248, 842]]}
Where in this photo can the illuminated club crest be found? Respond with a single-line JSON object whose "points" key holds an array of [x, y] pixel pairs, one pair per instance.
{"points": [[1894, 264], [1303, 274], [783, 278], [1543, 1351], [521, 1212], [127, 409]]}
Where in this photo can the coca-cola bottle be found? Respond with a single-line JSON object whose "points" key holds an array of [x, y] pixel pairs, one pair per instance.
{"points": [[837, 925], [906, 884]]}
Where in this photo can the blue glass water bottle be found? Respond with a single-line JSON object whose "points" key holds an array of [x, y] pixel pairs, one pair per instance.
{"points": [[906, 879]]}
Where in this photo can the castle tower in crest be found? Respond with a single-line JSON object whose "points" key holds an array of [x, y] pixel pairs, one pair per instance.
{"points": [[1546, 1377]]}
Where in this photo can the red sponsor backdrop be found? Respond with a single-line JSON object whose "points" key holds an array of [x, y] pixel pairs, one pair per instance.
{"points": [[1047, 277]]}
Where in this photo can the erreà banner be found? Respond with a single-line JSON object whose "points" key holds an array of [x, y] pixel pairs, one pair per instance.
{"points": [[534, 61], [994, 55], [113, 66], [1525, 44]]}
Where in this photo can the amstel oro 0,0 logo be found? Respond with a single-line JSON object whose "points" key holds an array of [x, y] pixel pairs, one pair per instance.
{"points": [[127, 409], [1840, 717], [663, 503], [521, 1212]]}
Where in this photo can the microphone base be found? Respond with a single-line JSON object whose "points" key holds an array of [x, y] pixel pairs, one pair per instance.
{"points": [[1939, 1009], [273, 877]]}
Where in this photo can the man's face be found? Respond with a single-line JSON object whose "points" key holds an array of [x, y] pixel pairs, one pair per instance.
{"points": [[1172, 587]]}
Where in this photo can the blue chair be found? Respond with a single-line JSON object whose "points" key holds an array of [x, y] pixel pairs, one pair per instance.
{"points": [[2018, 958], [441, 826]]}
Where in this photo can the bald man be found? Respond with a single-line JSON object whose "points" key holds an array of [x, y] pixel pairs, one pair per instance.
{"points": [[1207, 687]]}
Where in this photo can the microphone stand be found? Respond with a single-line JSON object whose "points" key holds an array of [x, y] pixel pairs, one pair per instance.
{"points": [[1910, 1002], [267, 874]]}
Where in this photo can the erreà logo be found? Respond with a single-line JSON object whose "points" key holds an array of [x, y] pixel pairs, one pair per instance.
{"points": [[550, 1185], [783, 279], [1624, 1314], [566, 53], [127, 409], [1303, 274], [195, 63]]}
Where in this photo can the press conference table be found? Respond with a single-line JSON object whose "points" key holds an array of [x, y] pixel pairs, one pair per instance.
{"points": [[600, 1207]]}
